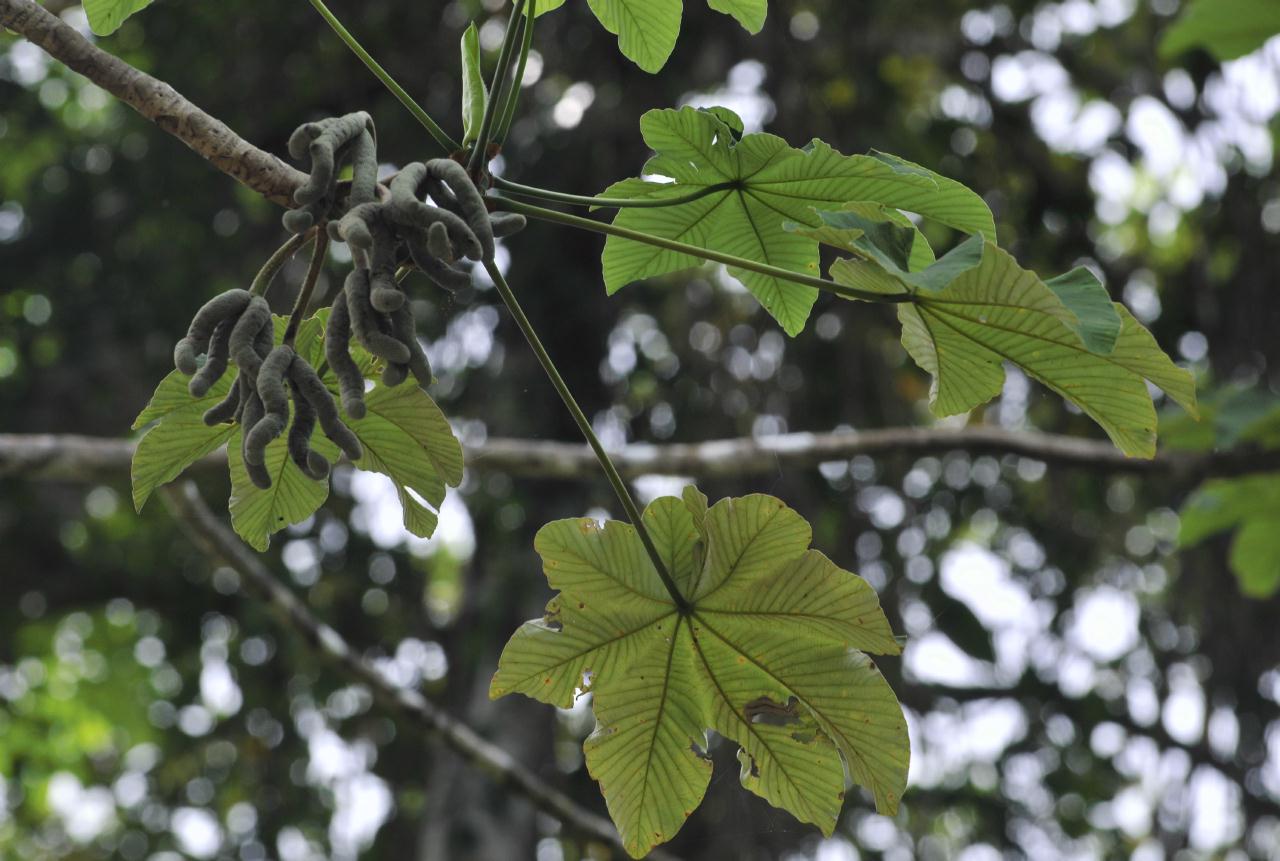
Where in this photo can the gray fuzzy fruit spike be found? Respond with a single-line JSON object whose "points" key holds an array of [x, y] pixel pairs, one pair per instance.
{"points": [[225, 306], [336, 337], [275, 403]]}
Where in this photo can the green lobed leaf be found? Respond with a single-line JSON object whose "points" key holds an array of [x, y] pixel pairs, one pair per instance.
{"points": [[1226, 28], [544, 6], [749, 13], [996, 312], [180, 437], [646, 29], [1224, 503], [1098, 324], [475, 94], [768, 656], [257, 514], [1251, 506], [755, 186], [407, 438], [404, 434], [1255, 556], [106, 16], [1230, 415]]}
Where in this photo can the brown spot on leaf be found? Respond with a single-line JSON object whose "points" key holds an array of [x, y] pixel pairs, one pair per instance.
{"points": [[764, 710]]}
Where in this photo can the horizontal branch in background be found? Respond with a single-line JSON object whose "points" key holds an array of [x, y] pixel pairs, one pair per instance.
{"points": [[157, 101], [56, 457], [215, 540]]}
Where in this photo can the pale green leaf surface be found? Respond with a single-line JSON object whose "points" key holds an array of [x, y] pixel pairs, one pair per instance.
{"points": [[1083, 294], [1226, 28], [406, 437], [749, 13], [646, 29], [809, 596], [647, 752], [180, 438], [844, 692], [106, 16], [754, 535], [786, 759], [1224, 503], [660, 678], [257, 514], [766, 184], [545, 6], [997, 312], [1255, 557], [1251, 506]]}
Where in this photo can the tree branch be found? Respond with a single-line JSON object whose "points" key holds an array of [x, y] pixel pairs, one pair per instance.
{"points": [[157, 101], [215, 540], [55, 457]]}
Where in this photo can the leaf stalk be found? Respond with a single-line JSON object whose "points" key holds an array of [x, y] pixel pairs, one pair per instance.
{"points": [[584, 425], [441, 136]]}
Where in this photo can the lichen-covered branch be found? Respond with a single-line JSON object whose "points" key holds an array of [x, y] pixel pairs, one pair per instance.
{"points": [[157, 101], [78, 458], [215, 540]]}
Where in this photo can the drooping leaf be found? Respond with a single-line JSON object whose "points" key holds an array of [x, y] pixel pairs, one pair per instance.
{"points": [[544, 6], [407, 438], [257, 514], [1226, 28], [749, 13], [1255, 556], [106, 16], [963, 332], [1230, 416], [180, 437], [475, 94], [1250, 505], [647, 30], [769, 655], [404, 435], [751, 187], [1098, 323]]}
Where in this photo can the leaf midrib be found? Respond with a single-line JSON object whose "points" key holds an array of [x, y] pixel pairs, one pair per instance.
{"points": [[778, 761], [596, 647], [817, 713]]}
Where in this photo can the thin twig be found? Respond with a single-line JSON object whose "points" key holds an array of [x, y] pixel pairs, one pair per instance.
{"points": [[215, 540], [281, 256], [308, 287]]}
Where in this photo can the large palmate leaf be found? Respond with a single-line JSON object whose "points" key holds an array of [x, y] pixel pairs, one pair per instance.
{"points": [[769, 654], [1226, 28], [975, 309], [750, 187], [1251, 507], [647, 29], [404, 435]]}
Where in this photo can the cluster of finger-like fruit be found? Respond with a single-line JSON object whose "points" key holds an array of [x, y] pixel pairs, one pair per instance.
{"points": [[430, 215]]}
